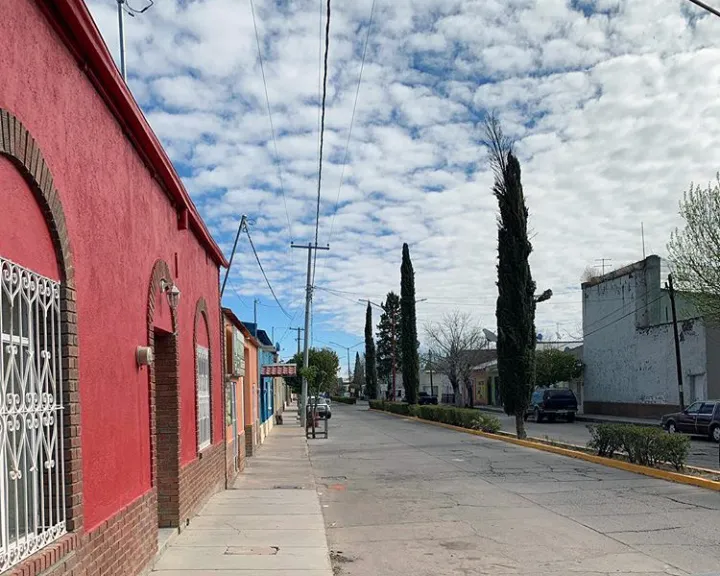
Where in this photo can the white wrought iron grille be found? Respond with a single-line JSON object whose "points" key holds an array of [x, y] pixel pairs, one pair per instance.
{"points": [[203, 396], [32, 471]]}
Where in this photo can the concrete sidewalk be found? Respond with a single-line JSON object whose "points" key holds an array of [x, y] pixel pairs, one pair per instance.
{"points": [[271, 523]]}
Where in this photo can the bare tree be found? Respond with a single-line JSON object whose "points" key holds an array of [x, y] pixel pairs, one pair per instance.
{"points": [[456, 340], [589, 274], [694, 251]]}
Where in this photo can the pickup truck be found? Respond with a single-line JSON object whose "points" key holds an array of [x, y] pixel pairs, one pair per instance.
{"points": [[424, 398]]}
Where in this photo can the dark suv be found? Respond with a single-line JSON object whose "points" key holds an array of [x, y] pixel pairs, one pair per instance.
{"points": [[701, 418], [552, 402]]}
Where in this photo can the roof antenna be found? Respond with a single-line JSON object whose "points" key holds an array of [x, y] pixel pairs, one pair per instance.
{"points": [[642, 232], [122, 7]]}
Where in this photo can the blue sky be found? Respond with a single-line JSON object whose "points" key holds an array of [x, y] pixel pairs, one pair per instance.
{"points": [[612, 104]]}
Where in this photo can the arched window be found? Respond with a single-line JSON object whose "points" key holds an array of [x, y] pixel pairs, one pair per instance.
{"points": [[203, 390], [202, 387], [32, 482]]}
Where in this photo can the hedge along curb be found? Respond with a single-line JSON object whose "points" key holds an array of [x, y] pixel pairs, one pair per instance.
{"points": [[611, 463]]}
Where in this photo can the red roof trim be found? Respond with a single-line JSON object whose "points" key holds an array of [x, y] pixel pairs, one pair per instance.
{"points": [[279, 370], [75, 25]]}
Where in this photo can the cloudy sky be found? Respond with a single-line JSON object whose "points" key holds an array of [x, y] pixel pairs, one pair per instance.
{"points": [[612, 104]]}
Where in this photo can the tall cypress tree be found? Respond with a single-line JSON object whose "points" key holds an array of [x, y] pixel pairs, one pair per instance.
{"points": [[408, 329], [370, 373], [388, 339], [358, 374], [516, 289]]}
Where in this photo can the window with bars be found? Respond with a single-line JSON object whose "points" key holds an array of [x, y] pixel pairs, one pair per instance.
{"points": [[202, 386], [32, 475]]}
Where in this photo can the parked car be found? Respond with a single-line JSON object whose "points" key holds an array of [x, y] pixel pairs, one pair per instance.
{"points": [[425, 398], [552, 402], [701, 418], [323, 409]]}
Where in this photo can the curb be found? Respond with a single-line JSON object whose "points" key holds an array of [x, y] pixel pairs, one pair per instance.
{"points": [[610, 462]]}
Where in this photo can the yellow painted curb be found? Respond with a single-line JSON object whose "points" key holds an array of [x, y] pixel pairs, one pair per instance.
{"points": [[610, 462]]}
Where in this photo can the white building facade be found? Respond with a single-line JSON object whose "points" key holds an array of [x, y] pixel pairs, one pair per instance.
{"points": [[629, 350]]}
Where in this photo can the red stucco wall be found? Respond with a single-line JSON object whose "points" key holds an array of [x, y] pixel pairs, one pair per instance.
{"points": [[24, 237], [119, 223]]}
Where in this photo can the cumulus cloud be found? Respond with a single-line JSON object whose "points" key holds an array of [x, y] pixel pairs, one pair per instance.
{"points": [[611, 102]]}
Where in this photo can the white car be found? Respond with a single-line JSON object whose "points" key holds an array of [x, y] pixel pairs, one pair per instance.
{"points": [[323, 406]]}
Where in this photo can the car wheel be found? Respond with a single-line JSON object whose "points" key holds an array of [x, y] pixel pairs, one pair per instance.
{"points": [[571, 417], [328, 415], [670, 427], [538, 416], [715, 433]]}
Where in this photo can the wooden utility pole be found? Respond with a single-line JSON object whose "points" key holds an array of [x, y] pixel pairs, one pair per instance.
{"points": [[678, 360]]}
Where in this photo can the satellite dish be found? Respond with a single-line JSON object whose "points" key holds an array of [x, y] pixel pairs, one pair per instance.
{"points": [[491, 336]]}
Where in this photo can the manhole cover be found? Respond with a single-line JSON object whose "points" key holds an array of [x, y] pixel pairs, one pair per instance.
{"points": [[334, 478], [286, 487]]}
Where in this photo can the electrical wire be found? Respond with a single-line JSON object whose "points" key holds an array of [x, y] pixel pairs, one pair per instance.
{"points": [[586, 334], [322, 136], [272, 127], [706, 7], [252, 245], [352, 118]]}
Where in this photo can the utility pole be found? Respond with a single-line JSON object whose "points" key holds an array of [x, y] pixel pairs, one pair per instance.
{"points": [[678, 360], [255, 303], [298, 338], [431, 374], [243, 223], [308, 301], [392, 332]]}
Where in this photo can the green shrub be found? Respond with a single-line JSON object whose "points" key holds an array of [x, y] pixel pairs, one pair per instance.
{"points": [[641, 444], [377, 404], [487, 423], [397, 408], [343, 400]]}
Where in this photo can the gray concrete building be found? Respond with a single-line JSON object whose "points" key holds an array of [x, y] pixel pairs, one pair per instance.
{"points": [[629, 350]]}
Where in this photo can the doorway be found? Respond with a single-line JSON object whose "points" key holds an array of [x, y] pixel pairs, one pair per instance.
{"points": [[167, 432]]}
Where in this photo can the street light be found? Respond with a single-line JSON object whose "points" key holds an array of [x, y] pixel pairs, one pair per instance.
{"points": [[347, 348], [543, 297]]}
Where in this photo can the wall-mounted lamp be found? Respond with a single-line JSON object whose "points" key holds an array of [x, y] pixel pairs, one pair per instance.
{"points": [[174, 296], [172, 292]]}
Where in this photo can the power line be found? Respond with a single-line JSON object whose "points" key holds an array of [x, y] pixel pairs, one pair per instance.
{"points": [[706, 7], [252, 245], [322, 135], [272, 127], [352, 118], [585, 335]]}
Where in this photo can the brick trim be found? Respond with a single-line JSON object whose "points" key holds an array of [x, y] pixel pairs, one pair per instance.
{"points": [[201, 309], [165, 482], [19, 146]]}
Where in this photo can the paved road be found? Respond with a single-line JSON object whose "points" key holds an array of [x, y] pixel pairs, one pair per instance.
{"points": [[703, 451], [403, 498]]}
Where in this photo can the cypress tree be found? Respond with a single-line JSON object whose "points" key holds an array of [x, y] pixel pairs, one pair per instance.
{"points": [[370, 373], [358, 374], [516, 302], [389, 340], [408, 328]]}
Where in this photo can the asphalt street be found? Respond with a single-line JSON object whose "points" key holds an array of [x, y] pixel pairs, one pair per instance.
{"points": [[703, 451], [404, 498]]}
